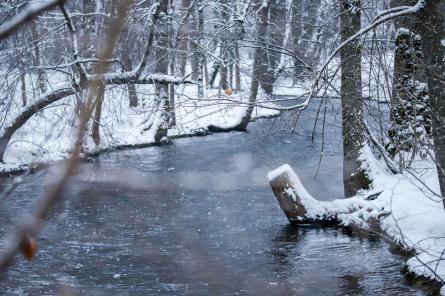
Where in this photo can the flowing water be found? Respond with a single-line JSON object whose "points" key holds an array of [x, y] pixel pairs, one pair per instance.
{"points": [[197, 217]]}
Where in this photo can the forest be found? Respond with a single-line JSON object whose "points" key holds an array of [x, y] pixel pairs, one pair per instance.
{"points": [[200, 147]]}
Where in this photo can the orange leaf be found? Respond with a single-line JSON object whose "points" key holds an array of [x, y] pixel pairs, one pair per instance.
{"points": [[229, 91], [28, 247]]}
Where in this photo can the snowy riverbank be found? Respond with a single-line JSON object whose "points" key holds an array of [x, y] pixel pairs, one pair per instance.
{"points": [[417, 219], [48, 136], [408, 206]]}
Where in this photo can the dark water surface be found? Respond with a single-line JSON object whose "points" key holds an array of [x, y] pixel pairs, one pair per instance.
{"points": [[198, 217]]}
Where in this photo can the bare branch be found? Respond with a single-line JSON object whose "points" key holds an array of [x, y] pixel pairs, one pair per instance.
{"points": [[30, 11]]}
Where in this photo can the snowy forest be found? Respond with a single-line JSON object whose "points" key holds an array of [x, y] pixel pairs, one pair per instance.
{"points": [[222, 147]]}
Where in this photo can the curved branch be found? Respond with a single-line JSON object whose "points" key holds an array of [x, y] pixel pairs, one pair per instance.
{"points": [[66, 90], [30, 11], [22, 118]]}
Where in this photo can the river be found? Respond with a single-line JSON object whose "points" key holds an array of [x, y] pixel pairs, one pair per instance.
{"points": [[198, 217]]}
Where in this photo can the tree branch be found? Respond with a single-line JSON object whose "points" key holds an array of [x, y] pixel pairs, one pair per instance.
{"points": [[29, 12]]}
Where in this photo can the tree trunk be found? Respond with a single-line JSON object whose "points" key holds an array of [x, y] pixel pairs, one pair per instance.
{"points": [[237, 68], [354, 178], [404, 59], [161, 67], [216, 67], [95, 132], [194, 57], [224, 48], [231, 62], [172, 59], [23, 87], [183, 39], [277, 21], [200, 70], [41, 83], [258, 63], [301, 208], [132, 92], [132, 95], [309, 24], [410, 114], [304, 18], [223, 83], [432, 29], [297, 35], [89, 23]]}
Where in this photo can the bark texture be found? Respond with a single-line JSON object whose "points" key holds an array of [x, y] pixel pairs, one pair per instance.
{"points": [[432, 29], [304, 35], [410, 129], [276, 23], [354, 178], [162, 37], [258, 64], [184, 38]]}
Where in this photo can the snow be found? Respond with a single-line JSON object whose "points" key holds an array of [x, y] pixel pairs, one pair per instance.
{"points": [[403, 31], [287, 88], [314, 207], [375, 73], [48, 135], [409, 208], [417, 219]]}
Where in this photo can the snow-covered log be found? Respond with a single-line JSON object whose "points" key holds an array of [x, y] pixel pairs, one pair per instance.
{"points": [[301, 208]]}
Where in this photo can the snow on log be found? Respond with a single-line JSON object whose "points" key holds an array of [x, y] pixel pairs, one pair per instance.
{"points": [[301, 208], [293, 198]]}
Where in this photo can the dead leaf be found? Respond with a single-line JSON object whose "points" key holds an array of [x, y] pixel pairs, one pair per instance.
{"points": [[28, 247], [229, 91]]}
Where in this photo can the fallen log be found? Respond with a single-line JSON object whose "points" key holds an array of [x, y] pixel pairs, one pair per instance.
{"points": [[301, 208]]}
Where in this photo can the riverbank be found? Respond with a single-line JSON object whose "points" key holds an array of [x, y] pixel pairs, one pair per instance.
{"points": [[405, 208], [47, 137], [417, 219]]}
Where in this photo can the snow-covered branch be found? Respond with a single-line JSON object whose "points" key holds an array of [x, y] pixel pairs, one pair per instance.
{"points": [[381, 18], [31, 10]]}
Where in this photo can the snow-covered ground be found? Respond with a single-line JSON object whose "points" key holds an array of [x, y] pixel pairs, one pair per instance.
{"points": [[417, 219], [376, 80], [48, 135]]}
